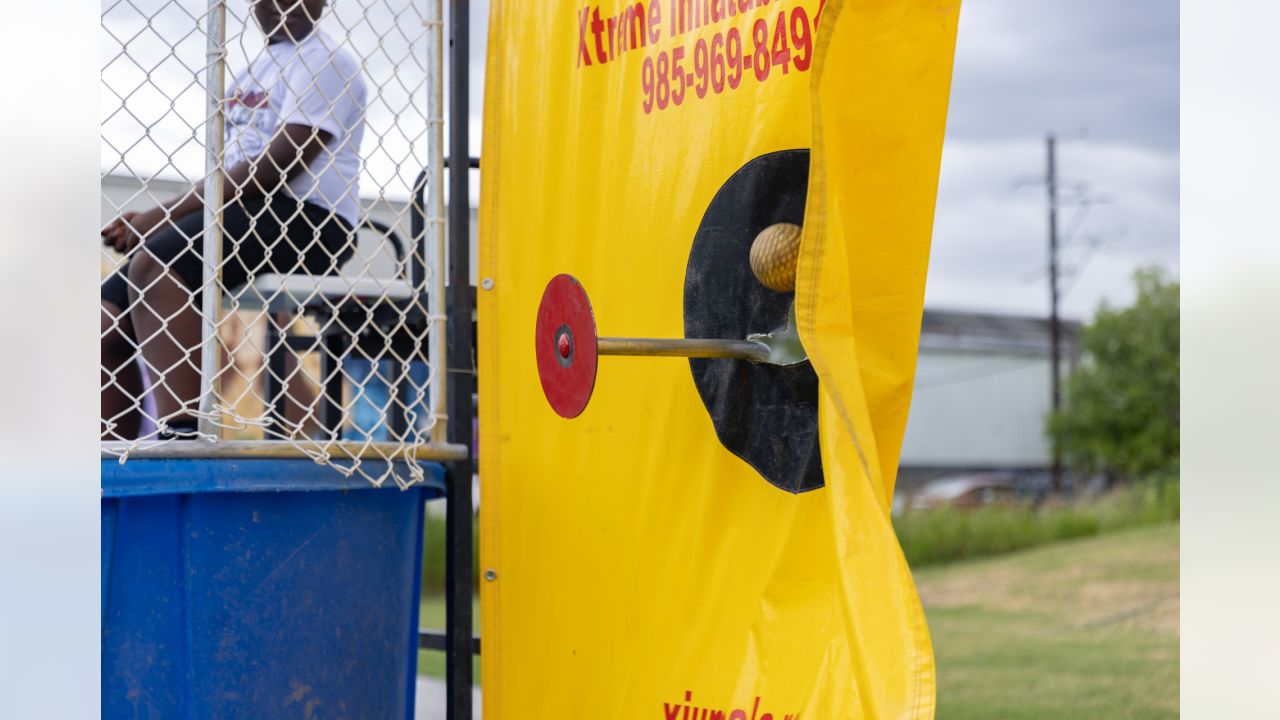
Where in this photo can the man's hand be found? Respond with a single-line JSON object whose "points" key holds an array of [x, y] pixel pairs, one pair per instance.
{"points": [[118, 233], [125, 232], [291, 151]]}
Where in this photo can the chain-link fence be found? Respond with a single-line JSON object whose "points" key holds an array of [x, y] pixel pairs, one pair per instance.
{"points": [[273, 231]]}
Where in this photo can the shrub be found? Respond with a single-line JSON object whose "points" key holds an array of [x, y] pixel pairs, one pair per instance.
{"points": [[948, 534], [1121, 412], [433, 555]]}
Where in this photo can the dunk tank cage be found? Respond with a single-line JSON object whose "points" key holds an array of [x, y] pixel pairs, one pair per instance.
{"points": [[273, 423]]}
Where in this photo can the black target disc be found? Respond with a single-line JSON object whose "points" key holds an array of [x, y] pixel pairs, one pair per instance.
{"points": [[765, 414]]}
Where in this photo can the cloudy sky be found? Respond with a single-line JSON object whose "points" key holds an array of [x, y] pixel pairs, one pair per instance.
{"points": [[1109, 69], [1102, 74]]}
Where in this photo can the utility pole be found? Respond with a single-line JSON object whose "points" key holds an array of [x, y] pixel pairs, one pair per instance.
{"points": [[1055, 346]]}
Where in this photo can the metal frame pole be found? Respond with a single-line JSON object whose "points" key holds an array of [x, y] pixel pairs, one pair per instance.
{"points": [[211, 297], [430, 183], [458, 525]]}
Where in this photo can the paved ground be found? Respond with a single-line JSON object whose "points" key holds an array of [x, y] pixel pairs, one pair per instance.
{"points": [[430, 704]]}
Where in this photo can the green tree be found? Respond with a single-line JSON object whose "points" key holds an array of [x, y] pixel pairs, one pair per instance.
{"points": [[1120, 408]]}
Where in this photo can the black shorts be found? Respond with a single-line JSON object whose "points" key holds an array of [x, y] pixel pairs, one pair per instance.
{"points": [[273, 234]]}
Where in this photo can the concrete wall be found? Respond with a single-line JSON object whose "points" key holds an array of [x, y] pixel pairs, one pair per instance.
{"points": [[978, 409]]}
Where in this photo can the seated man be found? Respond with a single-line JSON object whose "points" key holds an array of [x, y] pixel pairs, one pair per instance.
{"points": [[294, 122]]}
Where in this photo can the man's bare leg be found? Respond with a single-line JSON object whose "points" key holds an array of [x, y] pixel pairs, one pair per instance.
{"points": [[121, 377], [168, 327]]}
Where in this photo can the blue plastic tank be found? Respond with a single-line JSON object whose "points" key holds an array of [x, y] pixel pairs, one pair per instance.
{"points": [[258, 589]]}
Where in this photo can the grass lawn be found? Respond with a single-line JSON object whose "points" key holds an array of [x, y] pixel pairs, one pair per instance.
{"points": [[431, 615], [1085, 628]]}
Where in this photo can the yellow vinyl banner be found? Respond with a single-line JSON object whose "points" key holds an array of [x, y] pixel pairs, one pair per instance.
{"points": [[710, 538]]}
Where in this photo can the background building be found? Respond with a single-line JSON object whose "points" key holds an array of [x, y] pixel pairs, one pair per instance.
{"points": [[982, 394]]}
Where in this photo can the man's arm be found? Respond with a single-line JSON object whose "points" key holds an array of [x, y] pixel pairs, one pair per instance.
{"points": [[290, 152]]}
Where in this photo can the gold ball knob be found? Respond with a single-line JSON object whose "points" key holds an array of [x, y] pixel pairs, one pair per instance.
{"points": [[773, 256]]}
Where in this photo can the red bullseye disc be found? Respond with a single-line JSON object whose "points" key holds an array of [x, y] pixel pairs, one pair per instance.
{"points": [[565, 346]]}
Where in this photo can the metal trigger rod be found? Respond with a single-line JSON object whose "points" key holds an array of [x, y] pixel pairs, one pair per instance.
{"points": [[653, 347]]}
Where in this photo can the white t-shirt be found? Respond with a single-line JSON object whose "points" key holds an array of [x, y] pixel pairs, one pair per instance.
{"points": [[315, 83]]}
